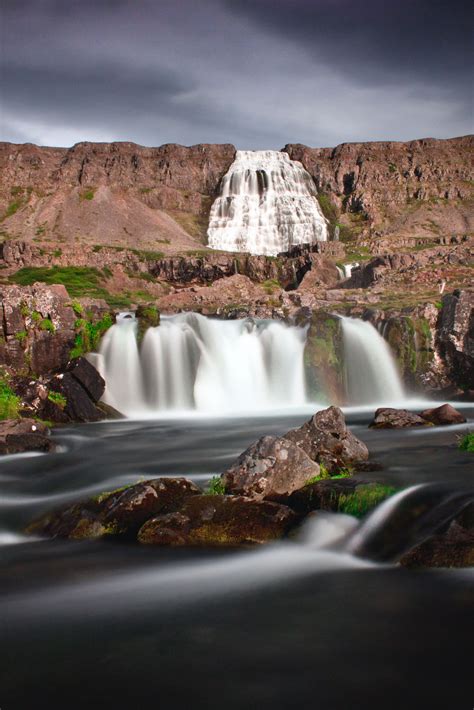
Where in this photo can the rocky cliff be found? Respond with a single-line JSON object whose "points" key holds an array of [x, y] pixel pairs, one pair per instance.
{"points": [[118, 194], [126, 195]]}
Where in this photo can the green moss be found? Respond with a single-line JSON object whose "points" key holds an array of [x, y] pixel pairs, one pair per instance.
{"points": [[216, 487], [324, 474], [58, 399], [87, 194], [47, 324], [89, 333], [21, 336], [36, 317], [77, 308], [271, 285], [364, 499], [9, 402], [467, 442]]}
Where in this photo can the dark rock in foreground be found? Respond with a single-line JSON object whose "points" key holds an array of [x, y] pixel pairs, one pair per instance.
{"points": [[21, 435], [214, 520], [270, 469], [389, 418], [443, 415], [453, 548], [326, 439]]}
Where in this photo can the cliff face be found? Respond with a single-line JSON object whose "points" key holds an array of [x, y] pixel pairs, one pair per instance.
{"points": [[419, 189], [123, 194], [120, 194]]}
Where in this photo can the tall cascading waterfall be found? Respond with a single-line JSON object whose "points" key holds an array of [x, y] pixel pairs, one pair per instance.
{"points": [[371, 372], [213, 366], [267, 205]]}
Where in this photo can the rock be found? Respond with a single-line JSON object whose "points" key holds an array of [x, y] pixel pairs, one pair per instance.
{"points": [[443, 415], [389, 418], [79, 407], [130, 508], [88, 377], [455, 337], [119, 512], [453, 548], [19, 435], [215, 520], [326, 439], [270, 469]]}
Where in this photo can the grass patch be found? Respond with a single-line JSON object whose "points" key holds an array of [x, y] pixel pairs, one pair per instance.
{"points": [[467, 442], [324, 474], [271, 285], [47, 324], [87, 194], [21, 336], [9, 402], [58, 399], [216, 487], [364, 499]]}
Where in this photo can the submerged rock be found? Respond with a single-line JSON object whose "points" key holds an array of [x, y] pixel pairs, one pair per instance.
{"points": [[326, 439], [215, 520], [389, 418], [270, 469], [119, 512], [443, 415], [20, 435]]}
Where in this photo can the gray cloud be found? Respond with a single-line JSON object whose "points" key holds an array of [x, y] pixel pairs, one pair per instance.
{"points": [[258, 73]]}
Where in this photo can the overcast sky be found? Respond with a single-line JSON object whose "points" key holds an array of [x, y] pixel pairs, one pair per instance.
{"points": [[256, 73]]}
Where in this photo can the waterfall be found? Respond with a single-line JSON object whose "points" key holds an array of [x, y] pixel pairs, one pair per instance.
{"points": [[371, 373], [213, 366], [267, 204]]}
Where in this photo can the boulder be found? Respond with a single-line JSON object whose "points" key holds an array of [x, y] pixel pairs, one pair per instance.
{"points": [[19, 435], [389, 418], [215, 520], [453, 548], [88, 377], [270, 469], [324, 494], [326, 439], [118, 512], [443, 415], [79, 406]]}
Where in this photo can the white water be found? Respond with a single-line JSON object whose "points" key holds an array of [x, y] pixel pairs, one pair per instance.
{"points": [[267, 205], [371, 372], [212, 366]]}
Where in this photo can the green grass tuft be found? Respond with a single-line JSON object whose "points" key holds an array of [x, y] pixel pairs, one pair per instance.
{"points": [[216, 487], [364, 499], [58, 399], [467, 442], [9, 402]]}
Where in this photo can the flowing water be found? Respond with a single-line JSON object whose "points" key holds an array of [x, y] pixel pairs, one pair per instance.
{"points": [[313, 621], [190, 362], [267, 204]]}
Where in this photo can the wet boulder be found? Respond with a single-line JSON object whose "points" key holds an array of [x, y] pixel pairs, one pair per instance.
{"points": [[352, 495], [326, 439], [443, 415], [219, 520], [390, 418], [119, 512], [270, 469], [452, 548], [78, 405], [21, 435]]}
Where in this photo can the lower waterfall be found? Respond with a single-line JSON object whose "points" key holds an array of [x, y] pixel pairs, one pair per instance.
{"points": [[370, 369], [214, 366], [190, 362]]}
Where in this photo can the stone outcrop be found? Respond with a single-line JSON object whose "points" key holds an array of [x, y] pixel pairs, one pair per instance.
{"points": [[270, 469], [387, 187], [215, 520], [326, 439], [455, 337]]}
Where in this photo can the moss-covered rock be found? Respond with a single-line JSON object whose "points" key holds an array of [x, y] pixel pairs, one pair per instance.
{"points": [[219, 520], [148, 316]]}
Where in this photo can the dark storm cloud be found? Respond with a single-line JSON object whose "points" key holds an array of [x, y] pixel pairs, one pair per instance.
{"points": [[258, 73]]}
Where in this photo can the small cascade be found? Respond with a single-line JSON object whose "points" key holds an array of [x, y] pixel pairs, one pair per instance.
{"points": [[370, 369], [267, 204], [193, 362]]}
